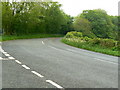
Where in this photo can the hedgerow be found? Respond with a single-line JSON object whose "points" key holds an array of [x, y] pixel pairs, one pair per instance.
{"points": [[76, 39]]}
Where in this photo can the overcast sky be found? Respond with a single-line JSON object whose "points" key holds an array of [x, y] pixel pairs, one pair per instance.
{"points": [[75, 7]]}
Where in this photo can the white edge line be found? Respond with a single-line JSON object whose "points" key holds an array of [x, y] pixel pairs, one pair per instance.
{"points": [[18, 62], [4, 52], [54, 48], [36, 73], [26, 67], [54, 84], [1, 58], [105, 61]]}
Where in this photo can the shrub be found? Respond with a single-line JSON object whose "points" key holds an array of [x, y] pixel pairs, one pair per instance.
{"points": [[108, 42], [78, 37], [86, 39], [95, 41], [73, 34], [77, 34], [69, 35]]}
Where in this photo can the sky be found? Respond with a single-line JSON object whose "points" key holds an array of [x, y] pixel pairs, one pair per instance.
{"points": [[75, 7]]}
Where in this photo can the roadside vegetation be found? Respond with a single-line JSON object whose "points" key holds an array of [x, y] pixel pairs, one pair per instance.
{"points": [[106, 46], [35, 18], [96, 30], [30, 36]]}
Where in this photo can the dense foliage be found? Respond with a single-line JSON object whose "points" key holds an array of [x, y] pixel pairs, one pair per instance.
{"points": [[96, 30], [47, 17], [108, 46], [34, 17], [97, 23]]}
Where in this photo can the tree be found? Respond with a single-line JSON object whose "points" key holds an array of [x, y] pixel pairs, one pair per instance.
{"points": [[54, 17], [33, 17], [0, 18], [68, 24], [84, 26], [100, 21], [7, 18], [114, 20]]}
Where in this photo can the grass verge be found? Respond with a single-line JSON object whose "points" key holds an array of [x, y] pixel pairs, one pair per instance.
{"points": [[30, 36], [90, 47]]}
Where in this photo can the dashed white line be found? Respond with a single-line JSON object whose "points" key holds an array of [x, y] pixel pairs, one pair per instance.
{"points": [[1, 58], [43, 42], [4, 52], [105, 61], [7, 55], [36, 73], [18, 62], [54, 84], [11, 57], [26, 67]]}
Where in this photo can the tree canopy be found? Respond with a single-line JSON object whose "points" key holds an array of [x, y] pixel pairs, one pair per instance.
{"points": [[33, 17], [84, 26], [97, 22], [47, 17]]}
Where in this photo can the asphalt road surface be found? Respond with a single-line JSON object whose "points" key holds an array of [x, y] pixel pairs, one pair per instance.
{"points": [[48, 63]]}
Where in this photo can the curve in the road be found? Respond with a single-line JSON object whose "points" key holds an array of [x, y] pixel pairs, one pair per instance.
{"points": [[69, 66]]}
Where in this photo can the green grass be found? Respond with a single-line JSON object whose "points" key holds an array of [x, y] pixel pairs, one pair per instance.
{"points": [[30, 36], [90, 47]]}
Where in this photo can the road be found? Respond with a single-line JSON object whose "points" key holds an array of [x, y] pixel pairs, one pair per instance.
{"points": [[48, 63]]}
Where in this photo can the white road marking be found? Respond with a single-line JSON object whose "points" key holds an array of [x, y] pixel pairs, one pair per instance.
{"points": [[5, 59], [11, 57], [26, 67], [43, 42], [95, 58], [4, 52], [70, 50], [54, 84], [55, 48], [1, 58], [105, 61], [7, 55], [18, 62], [1, 49], [36, 73]]}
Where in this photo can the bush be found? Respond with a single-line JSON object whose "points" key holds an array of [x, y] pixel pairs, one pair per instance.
{"points": [[103, 42], [69, 35], [95, 41], [77, 34], [86, 39], [108, 43], [73, 34], [78, 37]]}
